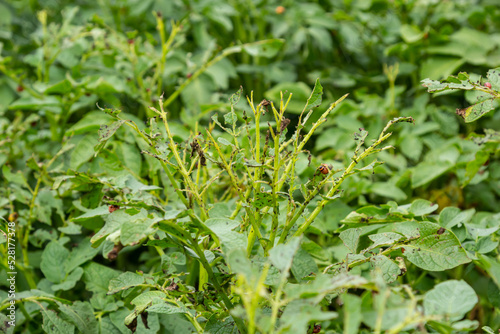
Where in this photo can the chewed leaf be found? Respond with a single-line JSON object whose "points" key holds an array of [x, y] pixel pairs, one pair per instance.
{"points": [[230, 118], [316, 96], [494, 78], [233, 100], [371, 166], [475, 111], [481, 96], [434, 86], [262, 200], [435, 249], [489, 136], [105, 133], [109, 111]]}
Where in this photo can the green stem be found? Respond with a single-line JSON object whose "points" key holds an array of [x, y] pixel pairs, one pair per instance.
{"points": [[274, 226], [27, 230], [165, 47], [208, 268], [355, 160], [170, 176], [180, 163], [300, 146], [234, 182]]}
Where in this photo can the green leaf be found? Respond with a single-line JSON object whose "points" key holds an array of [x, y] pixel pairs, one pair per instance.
{"points": [[425, 172], [451, 217], [53, 258], [298, 314], [486, 245], [97, 277], [176, 323], [267, 48], [165, 308], [492, 267], [79, 255], [223, 228], [69, 281], [350, 238], [281, 256], [422, 207], [220, 326], [233, 100], [17, 177], [71, 229], [477, 231], [384, 239], [129, 155], [440, 67], [52, 324], [390, 270], [316, 96], [473, 166], [83, 151], [452, 299], [114, 221], [105, 133], [493, 76], [303, 265], [125, 281], [476, 111], [62, 87], [97, 212], [82, 315], [411, 33], [30, 102], [465, 325], [412, 146], [352, 313], [434, 250], [488, 329], [388, 190], [451, 82], [391, 308], [142, 301], [240, 264], [89, 123], [128, 181], [135, 230], [224, 142], [106, 326], [323, 285], [230, 118]]}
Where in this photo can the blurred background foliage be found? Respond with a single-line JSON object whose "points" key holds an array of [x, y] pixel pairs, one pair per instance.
{"points": [[59, 59]]}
